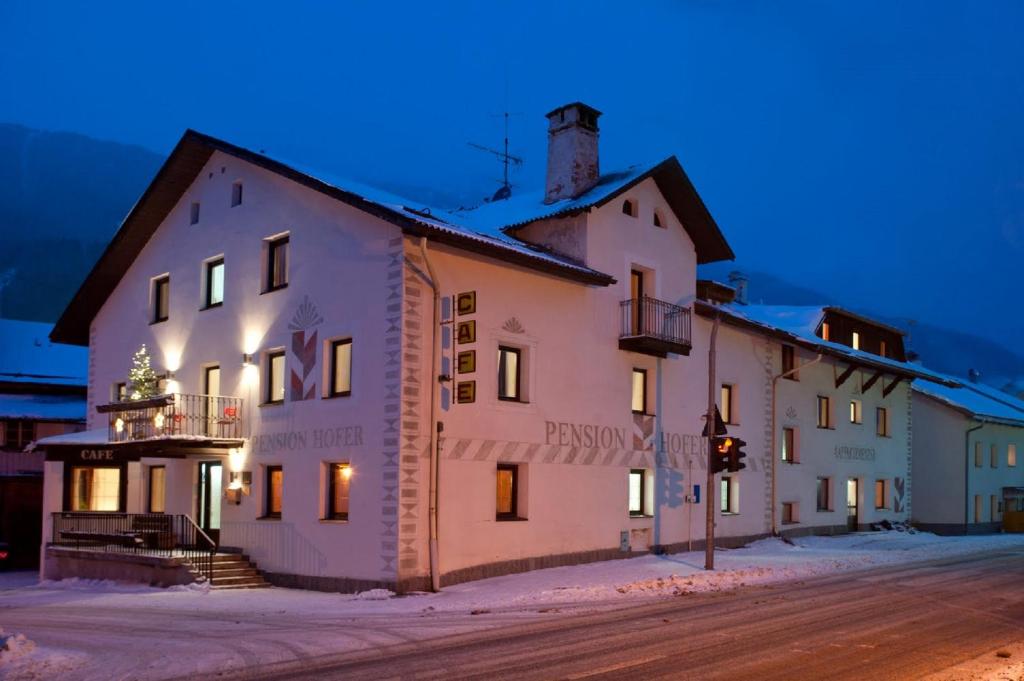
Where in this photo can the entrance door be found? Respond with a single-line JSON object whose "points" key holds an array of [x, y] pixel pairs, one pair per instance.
{"points": [[209, 498], [852, 493]]}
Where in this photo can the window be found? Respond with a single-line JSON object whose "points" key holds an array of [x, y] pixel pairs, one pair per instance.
{"points": [[825, 331], [18, 434], [993, 456], [789, 445], [637, 294], [236, 194], [275, 490], [977, 508], [1011, 455], [790, 513], [883, 349], [658, 222], [824, 494], [789, 363], [824, 412], [508, 374], [95, 489], [194, 213], [637, 492], [977, 455], [277, 264], [993, 502], [157, 489], [629, 207], [506, 502], [161, 298], [214, 278], [119, 392], [728, 411], [855, 412], [340, 383], [882, 422], [274, 377], [639, 391], [880, 494], [856, 341], [211, 404], [728, 496], [338, 477]]}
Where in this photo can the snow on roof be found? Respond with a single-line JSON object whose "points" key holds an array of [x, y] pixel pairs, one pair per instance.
{"points": [[100, 436], [28, 356], [802, 321], [980, 401], [43, 407]]}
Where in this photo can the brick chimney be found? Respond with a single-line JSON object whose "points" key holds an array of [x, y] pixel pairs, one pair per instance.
{"points": [[572, 151]]}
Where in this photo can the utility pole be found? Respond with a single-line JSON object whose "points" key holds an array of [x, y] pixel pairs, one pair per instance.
{"points": [[710, 496]]}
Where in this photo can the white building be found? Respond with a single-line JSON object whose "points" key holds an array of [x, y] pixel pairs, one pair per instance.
{"points": [[312, 333], [965, 457]]}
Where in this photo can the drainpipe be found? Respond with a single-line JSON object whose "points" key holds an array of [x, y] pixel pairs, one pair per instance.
{"points": [[435, 427], [775, 438], [967, 473]]}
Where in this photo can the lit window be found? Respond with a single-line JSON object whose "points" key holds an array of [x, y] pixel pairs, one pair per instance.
{"points": [[855, 411], [727, 408], [161, 298], [508, 374], [339, 475], [157, 489], [879, 494], [824, 495], [506, 502], [824, 412], [825, 331], [275, 377], [883, 349], [194, 213], [856, 341], [882, 422], [341, 368], [214, 282], [789, 445], [789, 363], [636, 492], [275, 491], [277, 264], [95, 489], [639, 391], [727, 502], [236, 194], [789, 512], [1011, 455]]}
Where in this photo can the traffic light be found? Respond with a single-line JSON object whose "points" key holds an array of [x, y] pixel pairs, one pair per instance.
{"points": [[720, 448], [736, 455]]}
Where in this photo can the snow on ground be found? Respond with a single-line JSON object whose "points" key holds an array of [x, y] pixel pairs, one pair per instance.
{"points": [[81, 626]]}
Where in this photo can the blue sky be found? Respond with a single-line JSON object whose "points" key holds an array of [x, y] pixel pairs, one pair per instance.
{"points": [[872, 151]]}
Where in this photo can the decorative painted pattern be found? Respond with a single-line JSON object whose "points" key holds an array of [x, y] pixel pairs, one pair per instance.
{"points": [[414, 333], [302, 382], [392, 344], [769, 434]]}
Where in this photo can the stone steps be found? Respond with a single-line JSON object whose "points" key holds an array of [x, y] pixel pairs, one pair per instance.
{"points": [[236, 571]]}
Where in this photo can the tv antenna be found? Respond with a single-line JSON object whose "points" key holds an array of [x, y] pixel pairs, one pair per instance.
{"points": [[506, 159]]}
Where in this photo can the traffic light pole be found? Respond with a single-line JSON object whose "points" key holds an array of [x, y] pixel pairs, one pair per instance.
{"points": [[710, 495]]}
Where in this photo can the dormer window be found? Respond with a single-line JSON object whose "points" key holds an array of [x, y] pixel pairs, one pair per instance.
{"points": [[658, 222], [856, 341], [629, 207], [825, 331]]}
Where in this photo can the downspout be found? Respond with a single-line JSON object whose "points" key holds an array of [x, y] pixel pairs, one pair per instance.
{"points": [[435, 569], [775, 437], [967, 473]]}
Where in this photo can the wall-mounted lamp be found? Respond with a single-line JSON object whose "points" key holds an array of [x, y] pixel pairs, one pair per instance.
{"points": [[239, 484], [247, 359]]}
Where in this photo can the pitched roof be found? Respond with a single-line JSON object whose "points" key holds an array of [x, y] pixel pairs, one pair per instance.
{"points": [[977, 401], [797, 324], [27, 356]]}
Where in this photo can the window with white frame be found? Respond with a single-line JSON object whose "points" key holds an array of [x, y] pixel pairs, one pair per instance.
{"points": [[637, 492], [639, 392], [274, 377], [213, 280], [1011, 455], [824, 411], [509, 374], [339, 382], [882, 422], [880, 496], [824, 494], [856, 416], [789, 445], [728, 406]]}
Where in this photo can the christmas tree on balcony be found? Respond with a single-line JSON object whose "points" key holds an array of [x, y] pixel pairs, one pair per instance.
{"points": [[142, 380]]}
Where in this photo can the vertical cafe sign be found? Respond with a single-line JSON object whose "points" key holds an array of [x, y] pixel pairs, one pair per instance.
{"points": [[465, 336], [304, 346]]}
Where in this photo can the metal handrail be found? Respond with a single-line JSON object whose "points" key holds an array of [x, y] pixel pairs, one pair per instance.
{"points": [[174, 415], [654, 318]]}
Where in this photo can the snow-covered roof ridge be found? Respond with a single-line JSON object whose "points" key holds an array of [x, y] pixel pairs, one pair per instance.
{"points": [[28, 356], [976, 400]]}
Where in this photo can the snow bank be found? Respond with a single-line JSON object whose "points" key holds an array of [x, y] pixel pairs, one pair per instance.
{"points": [[113, 586]]}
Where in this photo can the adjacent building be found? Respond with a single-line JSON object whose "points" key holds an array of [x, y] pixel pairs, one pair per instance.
{"points": [[966, 474]]}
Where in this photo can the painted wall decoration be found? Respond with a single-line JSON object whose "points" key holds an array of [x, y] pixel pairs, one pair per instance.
{"points": [[643, 432], [304, 350], [513, 325], [465, 303], [465, 333], [899, 488]]}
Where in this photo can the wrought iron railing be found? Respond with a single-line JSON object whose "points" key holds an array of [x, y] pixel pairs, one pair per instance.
{"points": [[653, 318], [173, 415], [154, 534]]}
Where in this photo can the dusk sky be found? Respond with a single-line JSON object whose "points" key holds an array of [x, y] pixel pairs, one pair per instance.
{"points": [[871, 151]]}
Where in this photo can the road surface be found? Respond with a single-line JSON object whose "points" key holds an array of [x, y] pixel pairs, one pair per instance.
{"points": [[890, 623]]}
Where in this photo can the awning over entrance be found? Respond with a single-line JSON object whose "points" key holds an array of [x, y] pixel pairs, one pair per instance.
{"points": [[94, 447]]}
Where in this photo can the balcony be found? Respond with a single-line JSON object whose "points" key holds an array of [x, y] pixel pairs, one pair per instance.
{"points": [[175, 416], [654, 327]]}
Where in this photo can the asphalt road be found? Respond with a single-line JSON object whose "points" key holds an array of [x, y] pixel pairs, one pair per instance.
{"points": [[891, 623]]}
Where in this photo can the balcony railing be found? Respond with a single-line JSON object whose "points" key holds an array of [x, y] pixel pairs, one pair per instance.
{"points": [[654, 327], [174, 415], [151, 534]]}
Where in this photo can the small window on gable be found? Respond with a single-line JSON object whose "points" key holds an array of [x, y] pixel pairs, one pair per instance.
{"points": [[658, 222], [236, 194], [629, 207], [194, 214]]}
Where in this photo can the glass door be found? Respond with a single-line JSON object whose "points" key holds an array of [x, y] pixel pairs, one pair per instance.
{"points": [[211, 388], [209, 498], [636, 292], [852, 493]]}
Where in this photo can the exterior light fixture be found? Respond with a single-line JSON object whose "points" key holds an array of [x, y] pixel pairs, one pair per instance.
{"points": [[247, 359], [158, 420], [346, 472], [119, 425]]}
